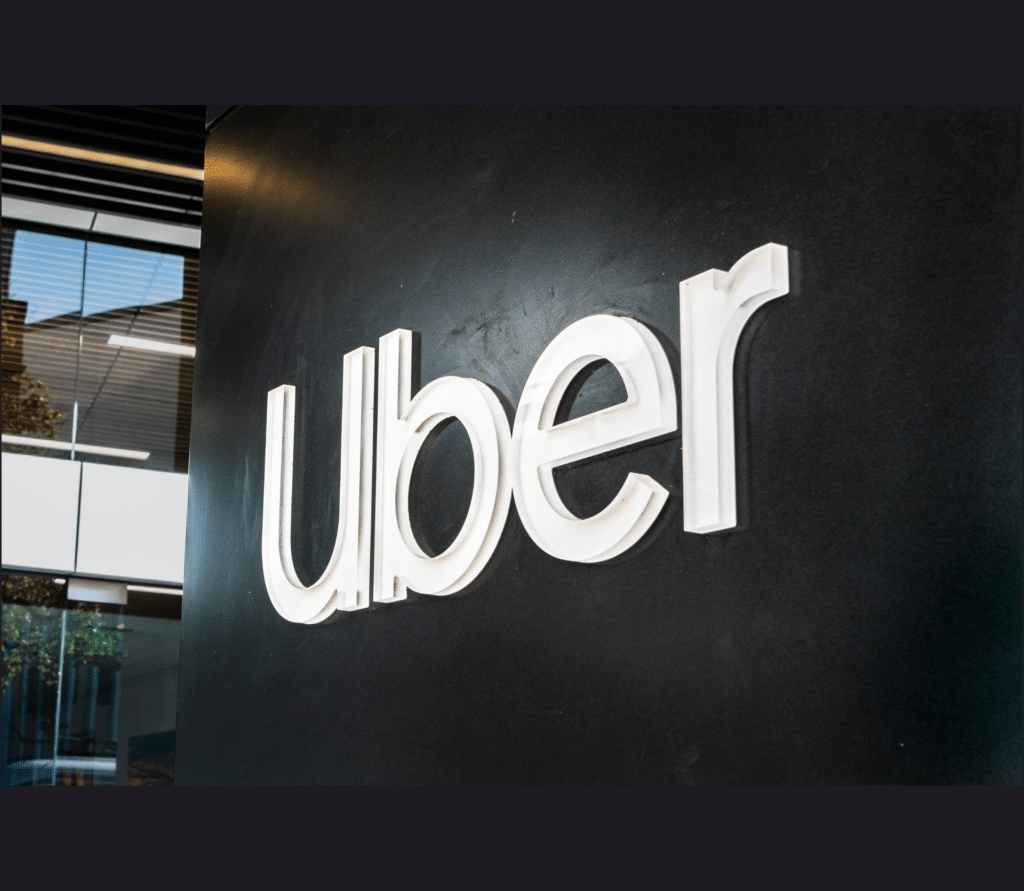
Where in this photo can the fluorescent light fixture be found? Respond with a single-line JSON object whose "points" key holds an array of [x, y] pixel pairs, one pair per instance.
{"points": [[156, 346], [10, 439], [152, 589], [83, 154], [98, 591]]}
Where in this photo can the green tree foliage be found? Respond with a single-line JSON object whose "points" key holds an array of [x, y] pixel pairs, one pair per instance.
{"points": [[27, 410], [32, 609]]}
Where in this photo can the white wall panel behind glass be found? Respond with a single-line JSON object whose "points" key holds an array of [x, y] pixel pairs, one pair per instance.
{"points": [[132, 523], [40, 512]]}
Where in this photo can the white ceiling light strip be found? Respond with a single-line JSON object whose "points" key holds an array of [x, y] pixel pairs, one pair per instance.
{"points": [[14, 163], [152, 589], [11, 439], [155, 346]]}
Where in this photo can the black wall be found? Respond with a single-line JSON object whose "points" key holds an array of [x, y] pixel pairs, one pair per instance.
{"points": [[863, 625]]}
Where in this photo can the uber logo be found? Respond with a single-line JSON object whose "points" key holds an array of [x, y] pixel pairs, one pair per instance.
{"points": [[714, 307]]}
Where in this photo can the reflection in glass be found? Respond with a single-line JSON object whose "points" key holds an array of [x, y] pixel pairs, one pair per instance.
{"points": [[41, 280], [89, 690], [65, 380]]}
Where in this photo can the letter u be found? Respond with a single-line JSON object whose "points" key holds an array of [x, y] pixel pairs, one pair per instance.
{"points": [[345, 583]]}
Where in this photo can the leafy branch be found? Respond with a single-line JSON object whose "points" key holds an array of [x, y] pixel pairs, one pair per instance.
{"points": [[31, 630]]}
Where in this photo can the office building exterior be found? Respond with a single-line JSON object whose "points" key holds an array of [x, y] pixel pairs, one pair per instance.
{"points": [[534, 446]]}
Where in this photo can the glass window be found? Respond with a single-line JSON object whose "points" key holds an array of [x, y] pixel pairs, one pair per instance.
{"points": [[89, 689], [98, 347], [42, 291]]}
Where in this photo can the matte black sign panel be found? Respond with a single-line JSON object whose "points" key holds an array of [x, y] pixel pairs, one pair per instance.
{"points": [[863, 622]]}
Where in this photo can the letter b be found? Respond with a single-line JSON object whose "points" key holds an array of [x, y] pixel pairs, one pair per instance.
{"points": [[403, 424]]}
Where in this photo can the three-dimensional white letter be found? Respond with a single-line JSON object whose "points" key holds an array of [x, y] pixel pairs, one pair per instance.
{"points": [[713, 308], [403, 423], [345, 583], [539, 446]]}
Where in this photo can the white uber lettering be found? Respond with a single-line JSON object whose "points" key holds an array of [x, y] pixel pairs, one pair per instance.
{"points": [[402, 426], [345, 583], [713, 309], [539, 446]]}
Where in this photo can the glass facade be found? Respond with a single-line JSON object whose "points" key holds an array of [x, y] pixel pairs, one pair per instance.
{"points": [[89, 689], [98, 347]]}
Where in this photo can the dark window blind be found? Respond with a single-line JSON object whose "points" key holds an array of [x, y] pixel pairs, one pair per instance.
{"points": [[163, 134]]}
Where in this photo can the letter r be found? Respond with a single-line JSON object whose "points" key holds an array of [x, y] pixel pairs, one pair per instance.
{"points": [[714, 307]]}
